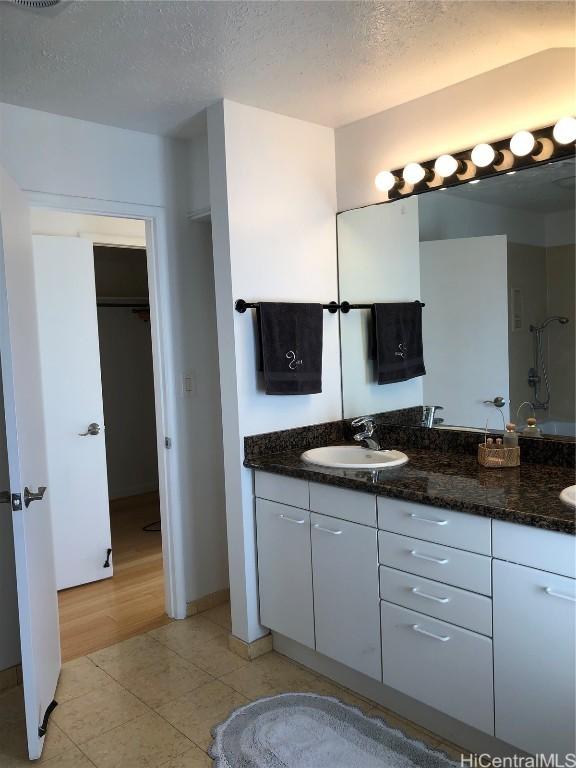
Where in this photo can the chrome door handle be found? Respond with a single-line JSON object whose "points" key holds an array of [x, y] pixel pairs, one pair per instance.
{"points": [[93, 429], [416, 591], [438, 560], [327, 530], [428, 520], [553, 593], [442, 638], [30, 496], [291, 520]]}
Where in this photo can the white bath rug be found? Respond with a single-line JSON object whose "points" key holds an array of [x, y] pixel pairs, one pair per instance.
{"points": [[303, 730]]}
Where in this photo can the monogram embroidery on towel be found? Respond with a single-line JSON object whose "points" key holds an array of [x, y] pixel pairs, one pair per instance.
{"points": [[294, 362], [401, 351]]}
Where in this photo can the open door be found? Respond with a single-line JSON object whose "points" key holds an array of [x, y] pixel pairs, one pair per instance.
{"points": [[27, 463], [72, 393]]}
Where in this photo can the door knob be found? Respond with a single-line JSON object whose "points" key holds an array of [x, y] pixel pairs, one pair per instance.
{"points": [[93, 429], [30, 496]]}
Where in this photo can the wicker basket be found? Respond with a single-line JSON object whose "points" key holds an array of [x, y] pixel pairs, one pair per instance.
{"points": [[498, 458]]}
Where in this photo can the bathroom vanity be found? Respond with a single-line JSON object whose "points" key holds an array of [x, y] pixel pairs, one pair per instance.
{"points": [[436, 582]]}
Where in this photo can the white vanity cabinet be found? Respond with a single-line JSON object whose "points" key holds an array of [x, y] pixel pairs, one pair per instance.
{"points": [[471, 616], [534, 652], [346, 599], [285, 570]]}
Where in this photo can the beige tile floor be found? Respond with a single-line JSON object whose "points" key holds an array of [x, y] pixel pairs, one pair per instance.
{"points": [[151, 701]]}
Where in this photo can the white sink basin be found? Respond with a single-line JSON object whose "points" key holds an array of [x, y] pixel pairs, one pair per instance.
{"points": [[568, 496], [353, 457]]}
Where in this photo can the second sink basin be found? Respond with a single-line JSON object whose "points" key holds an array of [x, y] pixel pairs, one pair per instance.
{"points": [[568, 496], [353, 457]]}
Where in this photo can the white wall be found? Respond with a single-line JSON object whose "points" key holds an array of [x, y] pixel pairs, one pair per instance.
{"points": [[273, 201], [9, 634], [529, 93], [58, 155], [378, 260]]}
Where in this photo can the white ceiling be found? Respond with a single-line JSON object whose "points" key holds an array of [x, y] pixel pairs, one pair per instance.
{"points": [[152, 66]]}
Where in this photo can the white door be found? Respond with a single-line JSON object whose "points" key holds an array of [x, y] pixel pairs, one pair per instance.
{"points": [[285, 570], [26, 444], [346, 593], [464, 285], [535, 659], [72, 394]]}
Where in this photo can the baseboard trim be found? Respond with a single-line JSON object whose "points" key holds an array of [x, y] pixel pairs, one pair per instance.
{"points": [[10, 677], [207, 602], [250, 651], [431, 719]]}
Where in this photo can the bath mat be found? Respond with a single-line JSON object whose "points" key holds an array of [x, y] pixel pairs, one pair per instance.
{"points": [[303, 730]]}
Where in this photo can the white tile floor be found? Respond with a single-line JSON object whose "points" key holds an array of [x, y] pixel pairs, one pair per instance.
{"points": [[151, 701]]}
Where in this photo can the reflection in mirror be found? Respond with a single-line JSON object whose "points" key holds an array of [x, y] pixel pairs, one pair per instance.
{"points": [[494, 262]]}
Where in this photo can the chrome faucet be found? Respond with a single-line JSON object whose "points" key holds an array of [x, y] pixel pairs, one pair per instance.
{"points": [[366, 435], [428, 415]]}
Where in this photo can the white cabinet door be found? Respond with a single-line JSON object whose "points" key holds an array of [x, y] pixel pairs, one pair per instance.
{"points": [[346, 599], [285, 570], [534, 659]]}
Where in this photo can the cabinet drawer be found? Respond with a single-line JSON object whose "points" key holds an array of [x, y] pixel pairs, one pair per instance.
{"points": [[285, 570], [433, 561], [466, 609], [439, 664], [355, 506], [443, 526], [286, 490], [546, 550]]}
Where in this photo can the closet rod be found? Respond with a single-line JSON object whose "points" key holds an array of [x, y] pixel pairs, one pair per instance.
{"points": [[345, 307]]}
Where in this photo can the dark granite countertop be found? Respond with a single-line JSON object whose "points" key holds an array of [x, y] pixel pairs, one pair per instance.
{"points": [[527, 494]]}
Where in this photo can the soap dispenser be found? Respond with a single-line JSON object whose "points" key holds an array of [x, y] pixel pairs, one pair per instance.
{"points": [[510, 436], [531, 429]]}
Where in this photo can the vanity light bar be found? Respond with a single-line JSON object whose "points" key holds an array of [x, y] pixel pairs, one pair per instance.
{"points": [[522, 150]]}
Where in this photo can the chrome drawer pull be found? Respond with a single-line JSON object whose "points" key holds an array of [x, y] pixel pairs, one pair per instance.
{"points": [[439, 560], [291, 520], [327, 530], [416, 591], [551, 592], [442, 638], [428, 520]]}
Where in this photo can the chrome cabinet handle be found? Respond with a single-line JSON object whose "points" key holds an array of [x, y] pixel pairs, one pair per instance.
{"points": [[418, 628], [439, 560], [327, 530], [291, 520], [428, 520], [93, 429], [30, 496], [552, 593], [416, 591]]}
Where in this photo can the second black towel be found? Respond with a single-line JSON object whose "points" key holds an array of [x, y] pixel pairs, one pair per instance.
{"points": [[398, 341], [291, 347]]}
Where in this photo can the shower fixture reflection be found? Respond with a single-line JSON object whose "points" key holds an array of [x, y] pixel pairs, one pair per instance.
{"points": [[539, 372]]}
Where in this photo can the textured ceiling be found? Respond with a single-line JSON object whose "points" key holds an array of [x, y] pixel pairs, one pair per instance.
{"points": [[152, 66]]}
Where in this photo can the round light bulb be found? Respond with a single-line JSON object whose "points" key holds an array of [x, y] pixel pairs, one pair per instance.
{"points": [[446, 165], [385, 181], [522, 143], [413, 173], [483, 155], [565, 130]]}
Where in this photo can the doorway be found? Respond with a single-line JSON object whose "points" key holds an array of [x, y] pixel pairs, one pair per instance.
{"points": [[94, 317]]}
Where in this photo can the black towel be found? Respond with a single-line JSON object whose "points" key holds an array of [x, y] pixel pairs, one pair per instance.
{"points": [[291, 347], [398, 341]]}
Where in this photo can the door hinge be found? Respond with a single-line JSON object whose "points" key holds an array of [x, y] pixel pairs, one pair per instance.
{"points": [[16, 502], [5, 497], [107, 561], [168, 442], [43, 727]]}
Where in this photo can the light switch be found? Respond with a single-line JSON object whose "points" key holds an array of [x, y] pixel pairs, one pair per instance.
{"points": [[189, 387]]}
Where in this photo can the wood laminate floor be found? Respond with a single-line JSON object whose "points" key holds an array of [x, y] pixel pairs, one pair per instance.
{"points": [[96, 615]]}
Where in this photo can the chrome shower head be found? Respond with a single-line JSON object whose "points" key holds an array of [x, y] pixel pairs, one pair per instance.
{"points": [[555, 318]]}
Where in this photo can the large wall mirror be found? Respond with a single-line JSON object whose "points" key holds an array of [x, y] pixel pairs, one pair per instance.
{"points": [[494, 263]]}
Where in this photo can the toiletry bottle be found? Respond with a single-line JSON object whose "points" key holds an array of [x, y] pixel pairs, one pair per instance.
{"points": [[510, 436], [531, 429]]}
